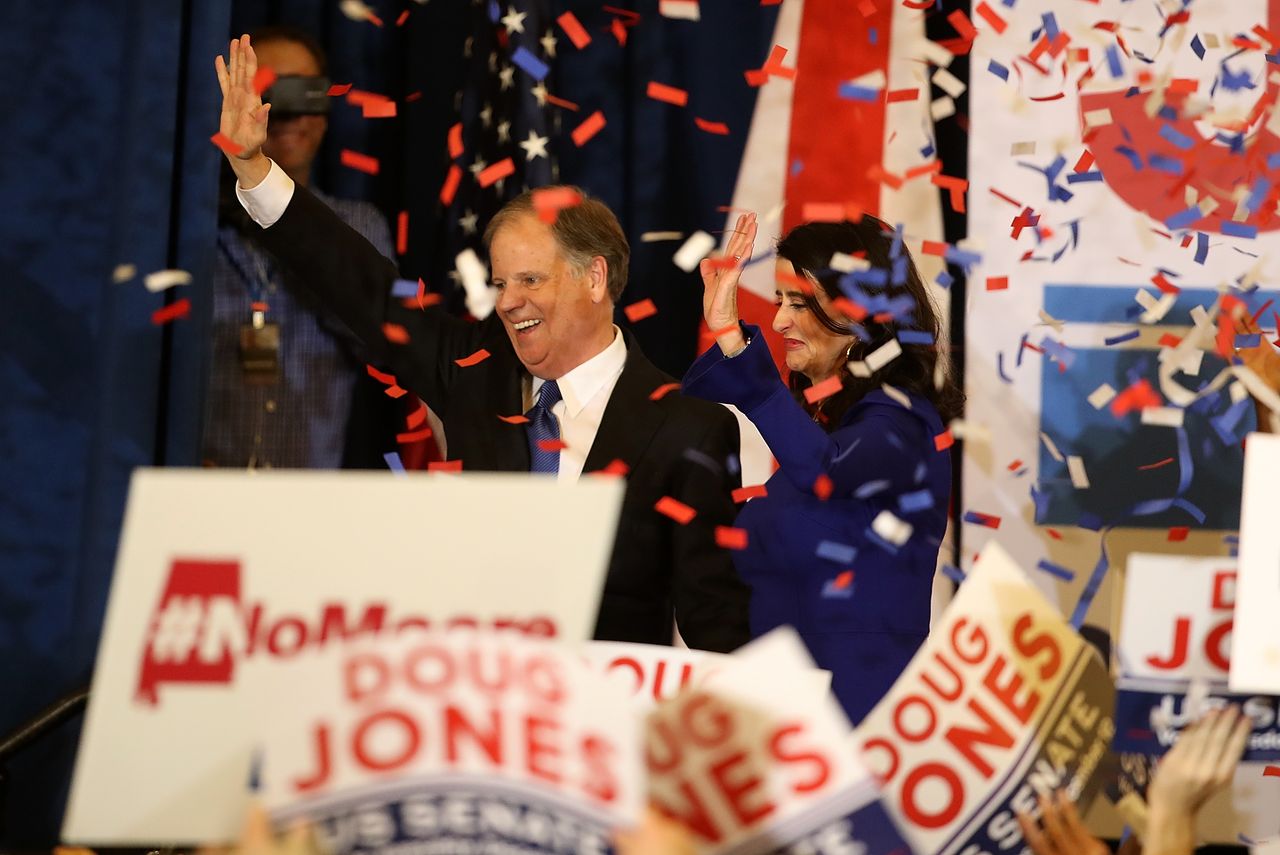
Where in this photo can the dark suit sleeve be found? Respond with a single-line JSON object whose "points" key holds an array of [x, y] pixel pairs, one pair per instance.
{"points": [[711, 601], [337, 267]]}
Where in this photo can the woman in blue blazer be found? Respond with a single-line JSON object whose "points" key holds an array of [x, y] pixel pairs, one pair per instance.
{"points": [[844, 545]]}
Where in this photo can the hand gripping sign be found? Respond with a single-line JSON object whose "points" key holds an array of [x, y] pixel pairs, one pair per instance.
{"points": [[1003, 700], [750, 761], [463, 741]]}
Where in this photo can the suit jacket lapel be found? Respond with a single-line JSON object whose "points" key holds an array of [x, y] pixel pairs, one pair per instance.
{"points": [[630, 418]]}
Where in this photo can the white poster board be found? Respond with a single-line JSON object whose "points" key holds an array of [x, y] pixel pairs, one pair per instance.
{"points": [[224, 576], [1255, 661]]}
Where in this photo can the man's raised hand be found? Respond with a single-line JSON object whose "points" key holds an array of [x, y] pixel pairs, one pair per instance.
{"points": [[243, 124]]}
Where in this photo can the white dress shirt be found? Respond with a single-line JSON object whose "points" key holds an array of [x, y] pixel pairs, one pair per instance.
{"points": [[584, 391]]}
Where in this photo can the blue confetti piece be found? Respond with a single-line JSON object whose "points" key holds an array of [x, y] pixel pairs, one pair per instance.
{"points": [[833, 591], [797, 166], [955, 574], [255, 770], [920, 500], [1168, 114], [1170, 165], [1092, 522], [873, 35], [1050, 25], [1202, 247], [1056, 570], [1116, 339], [963, 257], [1235, 81], [1113, 62], [1257, 194], [945, 279], [870, 488], [1135, 160], [404, 288], [1273, 58], [495, 13], [841, 553], [1091, 587], [851, 92], [534, 67], [1079, 177], [1197, 46], [1273, 161], [998, 70], [1176, 137], [393, 462], [927, 151], [1240, 230], [915, 337], [1000, 368], [1248, 340], [1183, 219]]}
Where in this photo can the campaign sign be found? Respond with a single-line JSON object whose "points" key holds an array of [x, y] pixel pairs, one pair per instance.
{"points": [[1003, 701], [459, 742], [654, 673], [224, 579], [750, 761], [1176, 631], [1255, 665]]}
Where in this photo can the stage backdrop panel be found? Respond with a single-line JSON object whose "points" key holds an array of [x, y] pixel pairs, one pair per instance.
{"points": [[1109, 224]]}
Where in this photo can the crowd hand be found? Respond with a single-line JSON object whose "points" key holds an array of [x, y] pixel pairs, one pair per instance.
{"points": [[1200, 763], [720, 284], [1059, 830], [244, 117], [257, 838], [1262, 359], [656, 835]]}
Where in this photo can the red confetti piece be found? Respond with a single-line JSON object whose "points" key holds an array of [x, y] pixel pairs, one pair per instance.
{"points": [[339, 89], [395, 333], [616, 468], [417, 417], [773, 65], [381, 376], [514, 420], [574, 30], [172, 312], [394, 391], [896, 95], [1157, 464], [730, 537], [825, 389], [822, 487], [1178, 533], [474, 359], [963, 25], [1271, 772], [663, 390], [560, 102], [1139, 396], [374, 19], [843, 581], [755, 491], [550, 201], [225, 143], [676, 510], [444, 466], [933, 247], [989, 15], [450, 188], [944, 440], [259, 306], [588, 129], [492, 174], [1085, 161], [413, 436], [1053, 532], [640, 310], [552, 446], [979, 518], [997, 283], [1164, 284], [263, 79], [379, 108], [404, 16], [360, 162], [711, 127], [1170, 340], [667, 94], [402, 233], [1015, 465], [455, 141]]}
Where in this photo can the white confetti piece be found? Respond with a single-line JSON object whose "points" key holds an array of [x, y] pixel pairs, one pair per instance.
{"points": [[1022, 148], [1162, 416], [859, 368], [693, 250], [943, 108], [1097, 118], [891, 528], [684, 10], [884, 354], [935, 53], [123, 273], [949, 83], [654, 237], [897, 395], [162, 280], [355, 10], [1051, 446], [1075, 467], [1101, 396], [871, 80], [969, 431], [475, 281], [846, 263]]}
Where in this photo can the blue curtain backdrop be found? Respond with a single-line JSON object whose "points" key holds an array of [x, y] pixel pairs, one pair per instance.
{"points": [[104, 161]]}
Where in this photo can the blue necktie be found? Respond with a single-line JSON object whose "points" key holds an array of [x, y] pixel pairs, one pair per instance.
{"points": [[542, 426]]}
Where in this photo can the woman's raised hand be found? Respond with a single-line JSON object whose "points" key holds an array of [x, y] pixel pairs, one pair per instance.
{"points": [[244, 117], [720, 284]]}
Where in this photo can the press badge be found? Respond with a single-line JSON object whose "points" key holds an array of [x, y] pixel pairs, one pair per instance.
{"points": [[260, 351]]}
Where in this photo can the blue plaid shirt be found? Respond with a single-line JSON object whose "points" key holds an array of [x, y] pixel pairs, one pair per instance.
{"points": [[300, 421]]}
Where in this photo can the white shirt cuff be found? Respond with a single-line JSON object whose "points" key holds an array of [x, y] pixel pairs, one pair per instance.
{"points": [[266, 202]]}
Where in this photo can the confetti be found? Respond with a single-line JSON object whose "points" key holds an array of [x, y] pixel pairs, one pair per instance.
{"points": [[514, 420], [359, 162], [1056, 570], [379, 108], [548, 202], [530, 64], [667, 94], [662, 391], [719, 128], [693, 250], [982, 519], [450, 187], [891, 529], [552, 446], [444, 466], [574, 30], [676, 510], [944, 440], [822, 487], [1178, 533], [402, 233], [824, 389], [474, 359], [1075, 468], [175, 310], [123, 273], [997, 283], [394, 391], [588, 129], [475, 281], [491, 175], [162, 280], [395, 333], [685, 10], [225, 143], [411, 437], [841, 553], [1101, 396], [730, 537], [919, 500], [616, 468], [1271, 772], [756, 491], [640, 310], [393, 462], [989, 15], [339, 89]]}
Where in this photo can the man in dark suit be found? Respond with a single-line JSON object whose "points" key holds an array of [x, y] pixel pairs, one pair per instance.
{"points": [[546, 383]]}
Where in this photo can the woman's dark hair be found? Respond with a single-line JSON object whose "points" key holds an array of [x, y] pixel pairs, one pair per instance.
{"points": [[809, 248]]}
